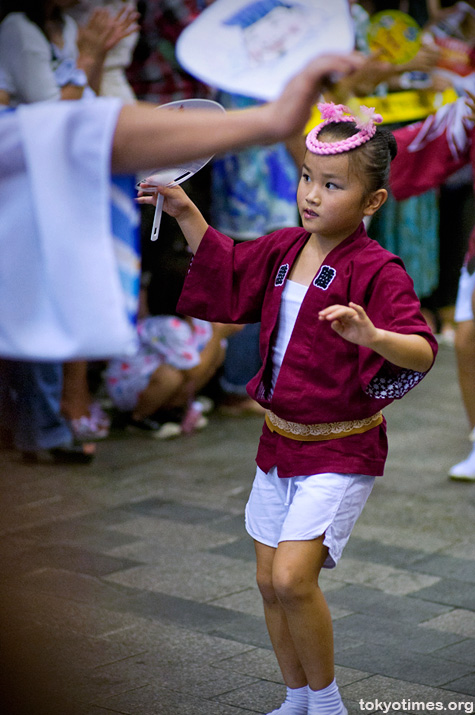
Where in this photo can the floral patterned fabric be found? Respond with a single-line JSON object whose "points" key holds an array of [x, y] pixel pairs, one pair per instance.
{"points": [[163, 339], [253, 190]]}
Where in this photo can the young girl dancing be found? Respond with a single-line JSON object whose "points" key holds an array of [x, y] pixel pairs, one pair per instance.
{"points": [[342, 336]]}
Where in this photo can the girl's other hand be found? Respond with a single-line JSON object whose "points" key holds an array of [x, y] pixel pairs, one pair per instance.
{"points": [[412, 351], [351, 323]]}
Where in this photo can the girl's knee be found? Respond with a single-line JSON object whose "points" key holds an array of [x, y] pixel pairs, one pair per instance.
{"points": [[292, 588], [265, 586], [285, 587]]}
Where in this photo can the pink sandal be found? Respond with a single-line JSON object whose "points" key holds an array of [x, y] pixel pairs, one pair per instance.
{"points": [[93, 427]]}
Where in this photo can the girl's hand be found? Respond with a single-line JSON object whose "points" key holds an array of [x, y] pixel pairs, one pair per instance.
{"points": [[147, 194], [412, 352], [175, 203], [351, 322]]}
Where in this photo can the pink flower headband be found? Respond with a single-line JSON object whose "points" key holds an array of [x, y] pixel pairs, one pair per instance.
{"points": [[330, 112]]}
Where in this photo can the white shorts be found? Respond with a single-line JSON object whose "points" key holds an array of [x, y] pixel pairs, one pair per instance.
{"points": [[463, 304], [304, 508]]}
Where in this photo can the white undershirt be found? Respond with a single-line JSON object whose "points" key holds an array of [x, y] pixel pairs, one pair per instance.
{"points": [[292, 297]]}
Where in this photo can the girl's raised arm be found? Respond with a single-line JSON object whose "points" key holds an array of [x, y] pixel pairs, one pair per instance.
{"points": [[177, 203]]}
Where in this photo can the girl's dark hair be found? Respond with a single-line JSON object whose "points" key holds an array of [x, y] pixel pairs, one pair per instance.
{"points": [[371, 160]]}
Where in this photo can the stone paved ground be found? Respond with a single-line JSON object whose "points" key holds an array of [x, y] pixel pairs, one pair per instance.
{"points": [[128, 585]]}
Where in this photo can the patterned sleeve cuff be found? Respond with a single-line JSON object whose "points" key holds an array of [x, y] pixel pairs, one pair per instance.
{"points": [[392, 386]]}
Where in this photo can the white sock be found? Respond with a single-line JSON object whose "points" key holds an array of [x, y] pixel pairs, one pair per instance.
{"points": [[294, 704], [466, 468], [326, 702]]}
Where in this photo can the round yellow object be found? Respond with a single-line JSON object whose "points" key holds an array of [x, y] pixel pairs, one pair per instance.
{"points": [[394, 35]]}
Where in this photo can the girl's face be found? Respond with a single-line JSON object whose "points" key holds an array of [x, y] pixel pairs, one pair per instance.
{"points": [[332, 199]]}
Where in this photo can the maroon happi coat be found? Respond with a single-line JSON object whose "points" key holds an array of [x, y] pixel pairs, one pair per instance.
{"points": [[323, 378]]}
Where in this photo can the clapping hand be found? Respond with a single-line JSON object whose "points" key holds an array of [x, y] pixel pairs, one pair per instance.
{"points": [[103, 31]]}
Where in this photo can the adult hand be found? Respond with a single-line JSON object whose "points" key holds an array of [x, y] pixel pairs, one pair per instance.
{"points": [[425, 60], [362, 81], [289, 113]]}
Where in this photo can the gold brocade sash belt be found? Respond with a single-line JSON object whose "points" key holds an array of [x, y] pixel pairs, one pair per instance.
{"points": [[322, 430]]}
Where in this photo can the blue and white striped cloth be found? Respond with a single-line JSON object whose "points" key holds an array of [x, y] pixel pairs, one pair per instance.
{"points": [[125, 220]]}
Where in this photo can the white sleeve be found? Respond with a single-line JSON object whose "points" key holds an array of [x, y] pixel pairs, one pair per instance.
{"points": [[25, 55], [60, 290], [5, 81]]}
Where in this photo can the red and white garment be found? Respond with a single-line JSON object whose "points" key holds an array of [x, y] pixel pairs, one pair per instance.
{"points": [[431, 150]]}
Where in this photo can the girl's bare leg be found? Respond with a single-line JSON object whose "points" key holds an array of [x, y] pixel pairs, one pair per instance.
{"points": [[164, 383], [297, 615], [465, 351], [276, 620]]}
